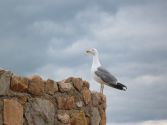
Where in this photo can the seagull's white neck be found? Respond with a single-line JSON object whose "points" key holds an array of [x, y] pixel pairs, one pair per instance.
{"points": [[96, 62]]}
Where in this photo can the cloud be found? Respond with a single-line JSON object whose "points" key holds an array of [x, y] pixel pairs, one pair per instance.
{"points": [[158, 122]]}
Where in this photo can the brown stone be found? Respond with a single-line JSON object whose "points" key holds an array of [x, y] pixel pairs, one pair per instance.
{"points": [[77, 82], [86, 84], [36, 86], [68, 79], [23, 99], [64, 118], [1, 71], [86, 95], [5, 77], [79, 119], [103, 118], [65, 87], [67, 102], [19, 84], [13, 112], [51, 87]]}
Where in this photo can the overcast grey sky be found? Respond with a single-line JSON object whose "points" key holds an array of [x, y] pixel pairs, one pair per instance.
{"points": [[49, 37]]}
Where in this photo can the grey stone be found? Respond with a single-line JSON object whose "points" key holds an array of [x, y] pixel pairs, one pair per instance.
{"points": [[40, 112], [79, 104], [95, 119], [65, 87], [5, 77], [63, 117]]}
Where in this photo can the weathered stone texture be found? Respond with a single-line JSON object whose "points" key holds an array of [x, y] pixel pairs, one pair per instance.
{"points": [[65, 87], [34, 101], [51, 87], [13, 112], [19, 84], [1, 112], [103, 118], [64, 118], [85, 84], [79, 104], [77, 82], [36, 86], [98, 99], [40, 112], [65, 102], [95, 119], [86, 95], [5, 77], [79, 119]]}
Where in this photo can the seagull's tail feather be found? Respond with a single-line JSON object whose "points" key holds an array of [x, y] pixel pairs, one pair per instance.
{"points": [[120, 86]]}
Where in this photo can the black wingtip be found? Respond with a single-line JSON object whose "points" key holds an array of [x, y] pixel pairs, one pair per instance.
{"points": [[120, 86]]}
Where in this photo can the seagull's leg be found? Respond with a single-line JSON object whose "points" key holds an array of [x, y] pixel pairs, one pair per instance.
{"points": [[102, 87], [101, 91]]}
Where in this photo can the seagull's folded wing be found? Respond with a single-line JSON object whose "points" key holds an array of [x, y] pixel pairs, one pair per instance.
{"points": [[106, 76]]}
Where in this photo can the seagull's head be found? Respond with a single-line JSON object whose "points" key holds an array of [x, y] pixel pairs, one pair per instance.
{"points": [[92, 51]]}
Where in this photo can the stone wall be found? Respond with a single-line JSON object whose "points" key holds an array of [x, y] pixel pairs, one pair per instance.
{"points": [[34, 101]]}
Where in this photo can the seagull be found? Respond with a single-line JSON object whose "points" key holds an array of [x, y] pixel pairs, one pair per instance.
{"points": [[101, 75]]}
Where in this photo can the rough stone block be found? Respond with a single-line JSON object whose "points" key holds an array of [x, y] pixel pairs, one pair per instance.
{"points": [[64, 118], [77, 82], [19, 84], [65, 102], [103, 118], [95, 119], [98, 98], [5, 77], [79, 119], [65, 87], [23, 99], [40, 112], [51, 87], [86, 84], [36, 86], [13, 112], [1, 112], [86, 95], [79, 104]]}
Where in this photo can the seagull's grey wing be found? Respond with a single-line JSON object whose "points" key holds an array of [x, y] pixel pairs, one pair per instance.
{"points": [[104, 75]]}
